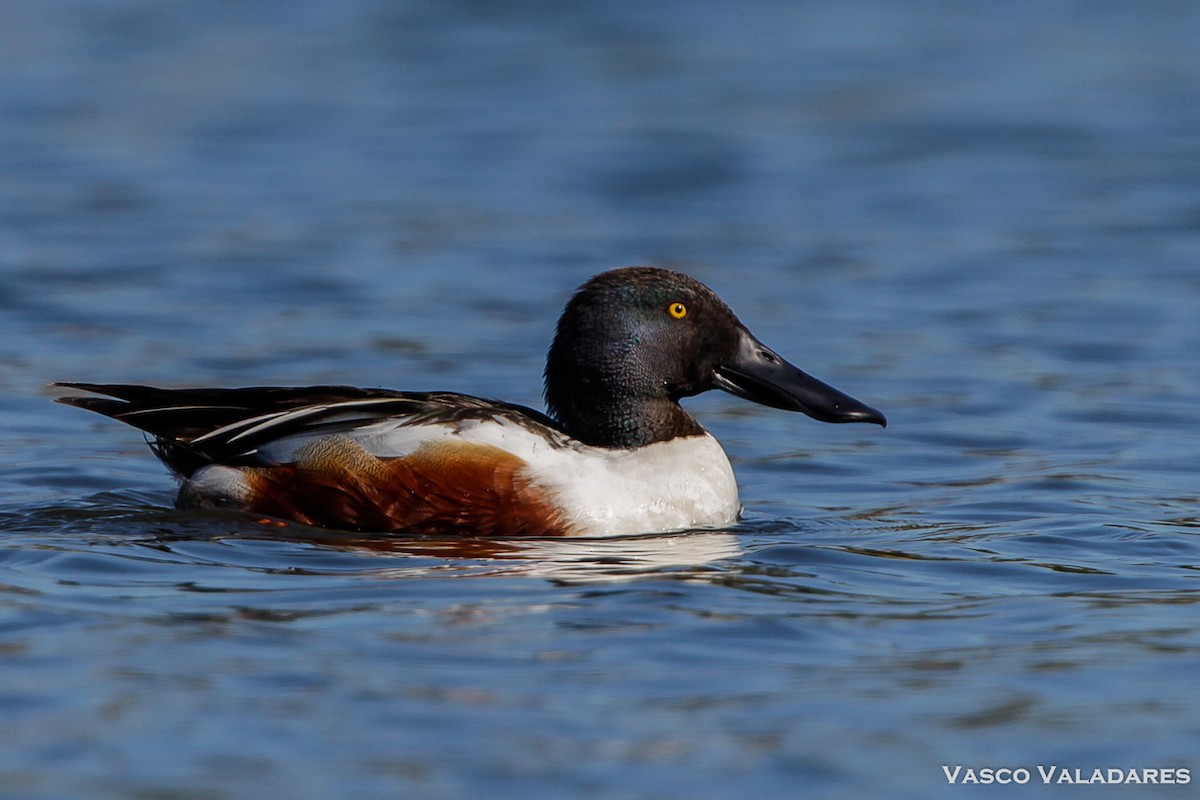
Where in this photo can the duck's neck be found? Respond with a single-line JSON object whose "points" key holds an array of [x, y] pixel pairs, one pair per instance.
{"points": [[623, 422]]}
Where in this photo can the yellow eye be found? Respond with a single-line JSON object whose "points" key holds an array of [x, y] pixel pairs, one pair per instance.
{"points": [[677, 310]]}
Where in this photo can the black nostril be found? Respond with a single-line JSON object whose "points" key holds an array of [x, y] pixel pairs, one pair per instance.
{"points": [[769, 357]]}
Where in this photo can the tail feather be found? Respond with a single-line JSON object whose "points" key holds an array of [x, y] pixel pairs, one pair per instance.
{"points": [[179, 421], [177, 414], [169, 423]]}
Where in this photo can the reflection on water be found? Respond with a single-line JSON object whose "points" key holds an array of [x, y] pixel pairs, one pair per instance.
{"points": [[574, 560]]}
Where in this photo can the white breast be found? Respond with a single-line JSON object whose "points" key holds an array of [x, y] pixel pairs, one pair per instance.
{"points": [[673, 485]]}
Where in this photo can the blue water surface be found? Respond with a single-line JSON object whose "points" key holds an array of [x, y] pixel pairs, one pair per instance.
{"points": [[983, 219]]}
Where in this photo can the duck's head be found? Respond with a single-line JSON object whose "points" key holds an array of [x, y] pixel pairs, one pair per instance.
{"points": [[633, 341]]}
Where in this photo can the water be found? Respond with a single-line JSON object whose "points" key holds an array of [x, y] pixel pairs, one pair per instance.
{"points": [[984, 221]]}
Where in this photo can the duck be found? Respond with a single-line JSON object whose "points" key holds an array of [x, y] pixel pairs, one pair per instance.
{"points": [[614, 454]]}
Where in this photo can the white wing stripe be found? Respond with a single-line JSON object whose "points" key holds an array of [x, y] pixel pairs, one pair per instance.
{"points": [[248, 427]]}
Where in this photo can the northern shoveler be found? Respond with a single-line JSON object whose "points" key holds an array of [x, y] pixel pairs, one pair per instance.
{"points": [[616, 455]]}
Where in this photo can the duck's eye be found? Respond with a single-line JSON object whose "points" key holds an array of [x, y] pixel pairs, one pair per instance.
{"points": [[677, 310]]}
